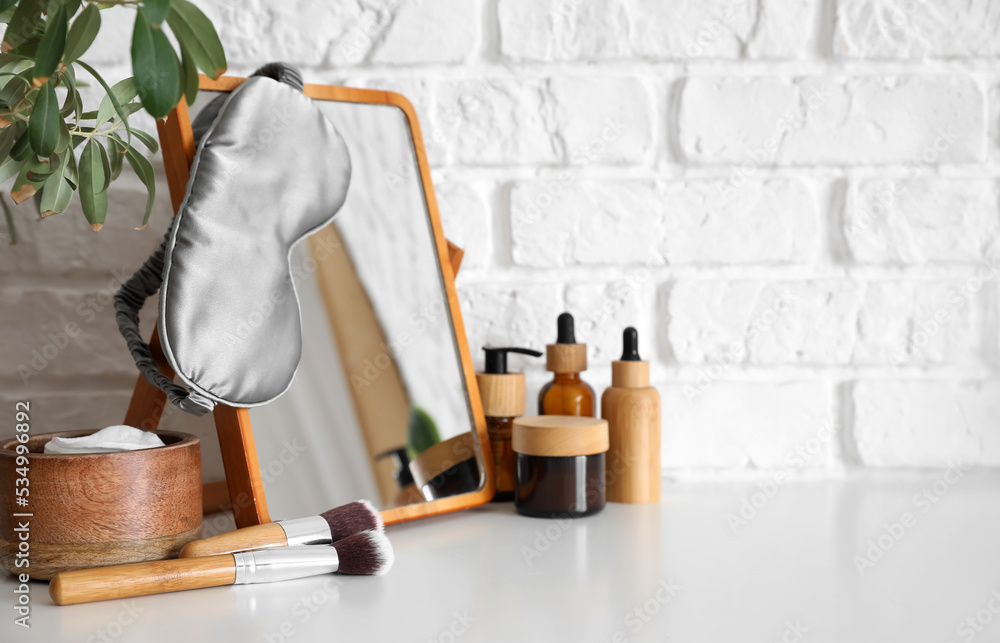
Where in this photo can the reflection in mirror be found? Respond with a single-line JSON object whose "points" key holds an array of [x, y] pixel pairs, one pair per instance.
{"points": [[378, 408]]}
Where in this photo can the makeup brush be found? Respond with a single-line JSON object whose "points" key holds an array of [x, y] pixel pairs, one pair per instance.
{"points": [[330, 526], [367, 553]]}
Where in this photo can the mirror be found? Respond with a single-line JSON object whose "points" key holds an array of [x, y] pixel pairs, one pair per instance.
{"points": [[381, 406]]}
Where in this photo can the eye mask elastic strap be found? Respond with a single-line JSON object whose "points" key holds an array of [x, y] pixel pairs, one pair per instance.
{"points": [[147, 280], [128, 301]]}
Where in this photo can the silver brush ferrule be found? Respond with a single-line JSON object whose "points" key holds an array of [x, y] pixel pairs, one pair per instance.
{"points": [[314, 530], [284, 563]]}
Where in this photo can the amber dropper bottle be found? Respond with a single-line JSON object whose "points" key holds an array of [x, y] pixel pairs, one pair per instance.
{"points": [[503, 395], [566, 394]]}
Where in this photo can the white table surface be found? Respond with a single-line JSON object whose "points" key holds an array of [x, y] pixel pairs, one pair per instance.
{"points": [[790, 574]]}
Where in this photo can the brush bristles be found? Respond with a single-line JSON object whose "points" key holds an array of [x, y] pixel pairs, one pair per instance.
{"points": [[352, 518], [367, 553]]}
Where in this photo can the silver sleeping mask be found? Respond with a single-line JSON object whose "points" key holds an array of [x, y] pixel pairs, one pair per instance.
{"points": [[229, 320]]}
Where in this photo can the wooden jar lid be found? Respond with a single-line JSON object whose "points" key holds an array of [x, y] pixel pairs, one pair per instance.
{"points": [[503, 394], [560, 435], [566, 358], [441, 457]]}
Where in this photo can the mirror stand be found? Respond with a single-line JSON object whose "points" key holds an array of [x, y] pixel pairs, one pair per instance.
{"points": [[243, 489]]}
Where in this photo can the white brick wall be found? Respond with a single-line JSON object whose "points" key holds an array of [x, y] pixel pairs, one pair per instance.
{"points": [[795, 202]]}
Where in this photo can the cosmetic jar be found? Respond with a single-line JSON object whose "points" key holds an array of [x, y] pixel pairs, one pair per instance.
{"points": [[447, 469], [560, 465]]}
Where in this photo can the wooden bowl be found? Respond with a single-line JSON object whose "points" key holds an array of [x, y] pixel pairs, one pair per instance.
{"points": [[99, 509]]}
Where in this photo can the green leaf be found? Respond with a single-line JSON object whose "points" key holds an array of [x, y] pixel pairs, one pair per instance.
{"points": [[93, 196], [111, 95], [64, 138], [50, 49], [10, 168], [105, 166], [116, 154], [70, 104], [43, 127], [124, 91], [156, 10], [69, 171], [189, 75], [15, 88], [24, 185], [27, 16], [147, 139], [8, 136], [7, 4], [56, 194], [144, 170], [22, 147], [423, 432], [69, 77], [72, 6], [82, 33], [155, 67], [195, 31], [29, 47]]}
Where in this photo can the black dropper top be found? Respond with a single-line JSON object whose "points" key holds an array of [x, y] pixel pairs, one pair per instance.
{"points": [[630, 345], [402, 460], [566, 334], [496, 358]]}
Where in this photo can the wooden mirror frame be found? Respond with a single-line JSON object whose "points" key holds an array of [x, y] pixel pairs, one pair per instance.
{"points": [[243, 489]]}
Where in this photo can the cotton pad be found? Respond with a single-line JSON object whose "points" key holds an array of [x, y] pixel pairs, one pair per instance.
{"points": [[112, 438]]}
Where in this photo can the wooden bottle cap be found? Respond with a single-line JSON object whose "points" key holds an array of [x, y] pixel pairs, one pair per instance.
{"points": [[560, 435], [630, 374], [503, 394], [566, 358], [441, 457]]}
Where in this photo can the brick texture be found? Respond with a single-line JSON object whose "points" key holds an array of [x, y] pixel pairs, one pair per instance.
{"points": [[796, 203]]}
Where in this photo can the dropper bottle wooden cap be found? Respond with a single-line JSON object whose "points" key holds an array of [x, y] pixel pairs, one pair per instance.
{"points": [[630, 371], [566, 356]]}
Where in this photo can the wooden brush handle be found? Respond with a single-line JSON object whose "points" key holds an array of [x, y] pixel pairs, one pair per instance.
{"points": [[257, 537], [141, 579]]}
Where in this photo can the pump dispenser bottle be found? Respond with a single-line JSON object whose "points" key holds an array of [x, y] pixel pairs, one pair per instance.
{"points": [[503, 397], [632, 408], [566, 394]]}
